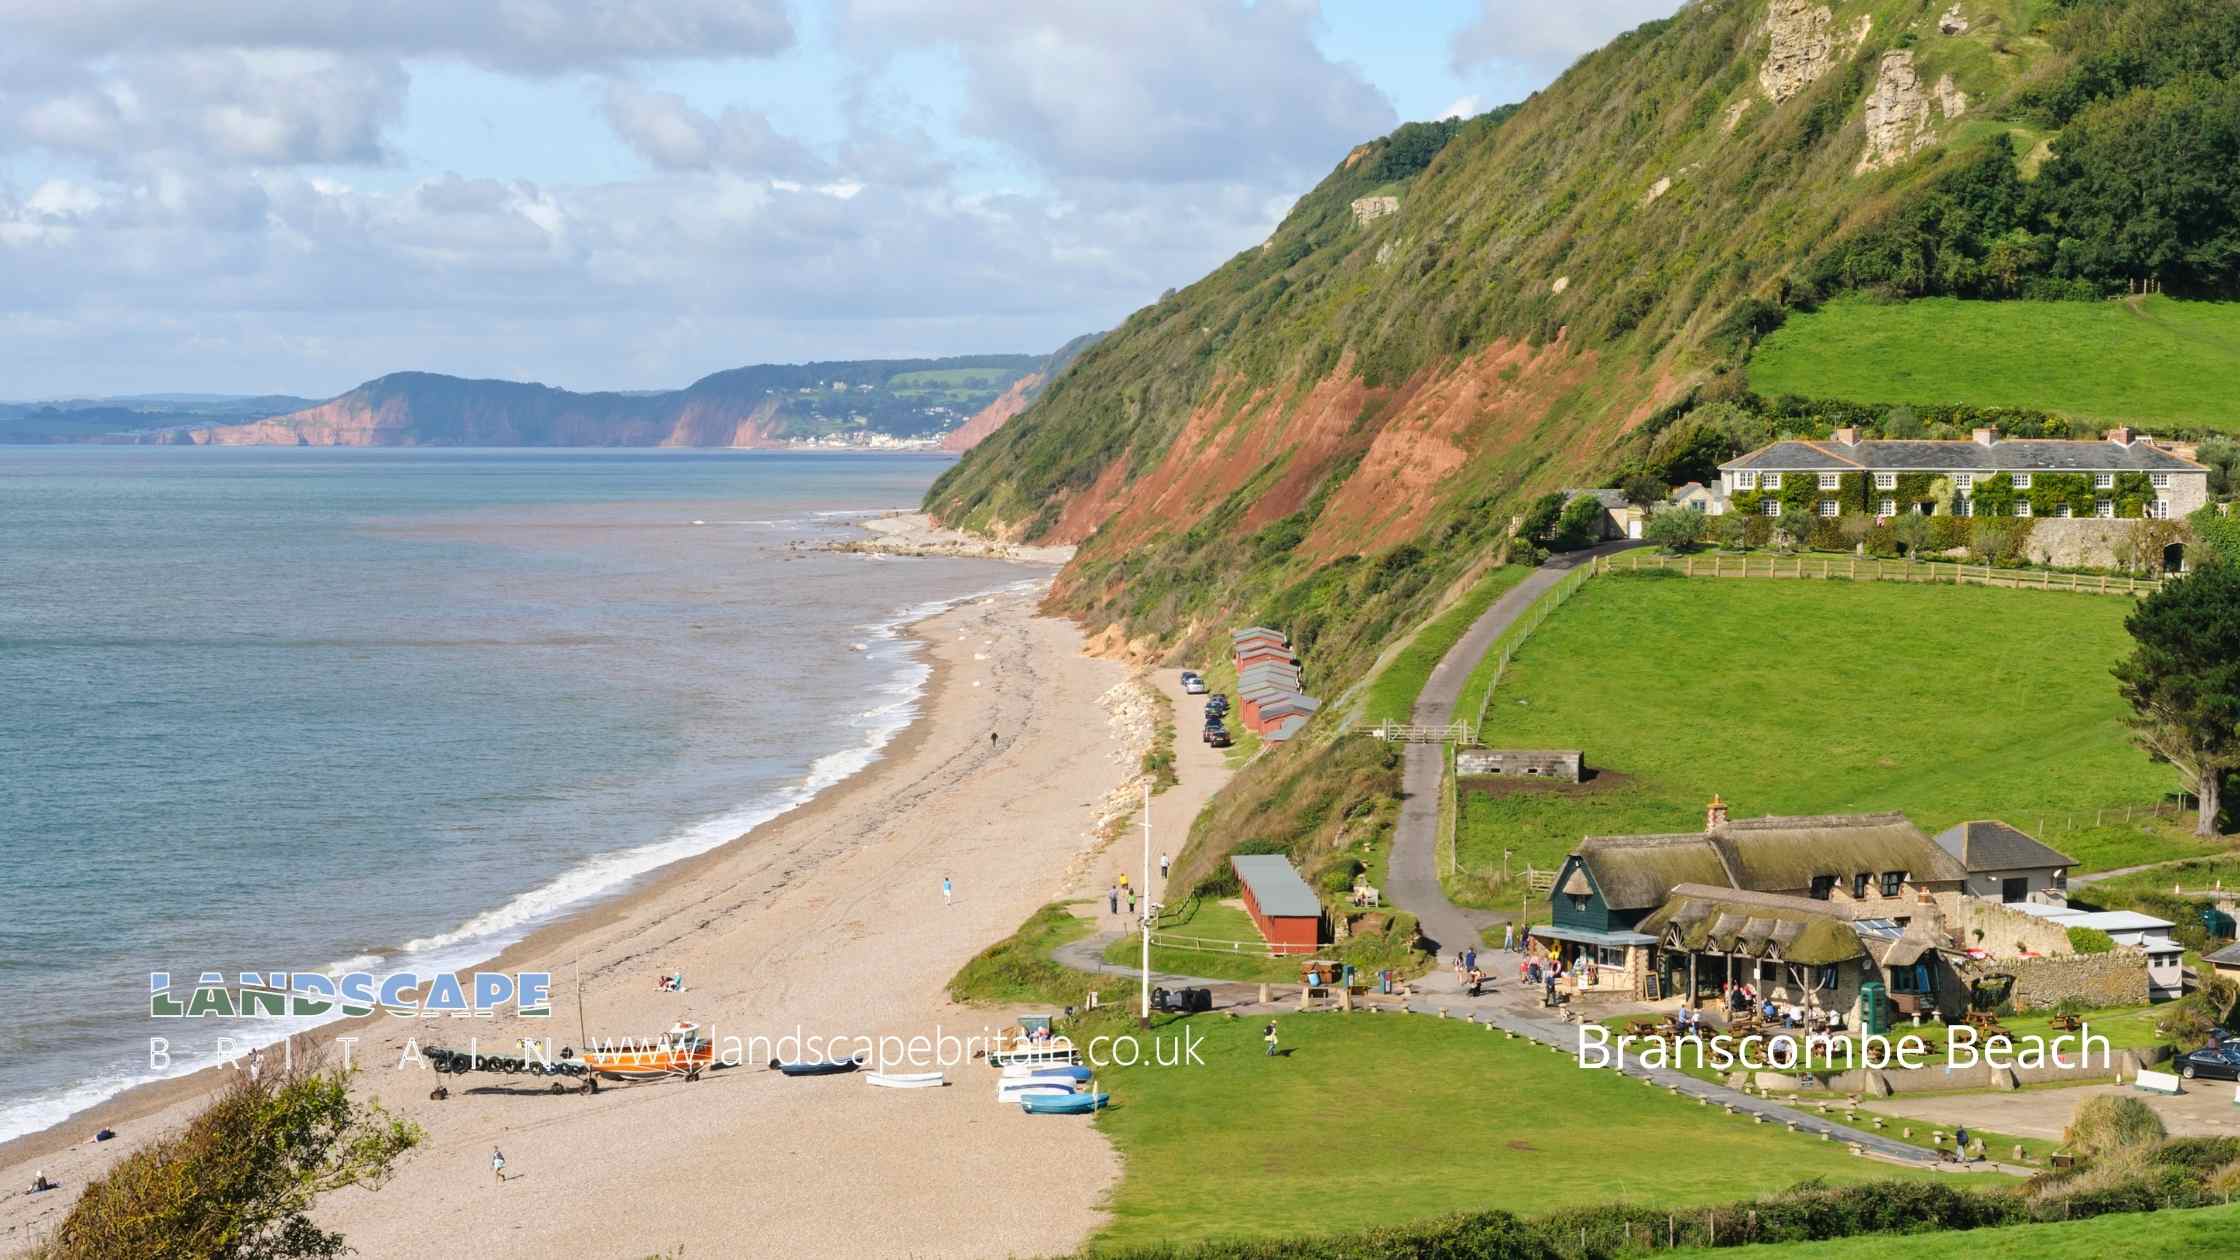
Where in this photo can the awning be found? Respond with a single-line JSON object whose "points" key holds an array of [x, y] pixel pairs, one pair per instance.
{"points": [[1586, 936]]}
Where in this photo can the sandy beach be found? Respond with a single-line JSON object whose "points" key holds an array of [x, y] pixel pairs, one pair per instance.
{"points": [[830, 920]]}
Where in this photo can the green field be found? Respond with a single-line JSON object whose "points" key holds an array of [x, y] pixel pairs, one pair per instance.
{"points": [[1381, 1119], [2151, 361], [1209, 925], [2198, 1232], [1794, 697], [1392, 696]]}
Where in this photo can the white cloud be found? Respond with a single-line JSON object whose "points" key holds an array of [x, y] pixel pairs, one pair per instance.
{"points": [[1162, 90], [672, 135], [1464, 107], [1545, 38]]}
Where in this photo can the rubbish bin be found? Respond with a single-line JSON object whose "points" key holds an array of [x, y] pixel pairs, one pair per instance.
{"points": [[1874, 1008]]}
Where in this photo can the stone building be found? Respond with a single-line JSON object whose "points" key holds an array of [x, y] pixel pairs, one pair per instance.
{"points": [[2005, 864], [1564, 765]]}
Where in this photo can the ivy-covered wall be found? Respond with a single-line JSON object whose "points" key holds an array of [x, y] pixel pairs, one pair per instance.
{"points": [[2048, 493]]}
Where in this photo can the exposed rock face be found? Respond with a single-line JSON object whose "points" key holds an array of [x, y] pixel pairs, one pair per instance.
{"points": [[1952, 23], [993, 416], [1799, 50], [1900, 113], [1656, 190], [1367, 210]]}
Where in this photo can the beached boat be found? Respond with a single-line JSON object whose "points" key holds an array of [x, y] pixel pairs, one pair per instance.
{"points": [[905, 1080], [1029, 1071], [1013, 1091], [682, 1051], [1056, 1050], [1064, 1104], [815, 1067]]}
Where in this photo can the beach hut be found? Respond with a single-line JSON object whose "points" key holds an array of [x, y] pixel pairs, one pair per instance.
{"points": [[1285, 910]]}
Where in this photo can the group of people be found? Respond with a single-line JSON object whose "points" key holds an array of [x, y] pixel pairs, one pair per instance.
{"points": [[1466, 971], [1118, 891], [1745, 999]]}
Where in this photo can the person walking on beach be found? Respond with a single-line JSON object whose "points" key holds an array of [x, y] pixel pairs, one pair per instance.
{"points": [[991, 739], [1162, 866], [1112, 898], [1131, 902], [498, 1164], [1470, 959], [948, 891], [1508, 938], [1269, 1036]]}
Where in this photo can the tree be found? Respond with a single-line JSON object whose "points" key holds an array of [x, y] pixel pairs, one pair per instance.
{"points": [[2222, 455], [1728, 530], [1539, 518], [2182, 680], [1912, 530], [1645, 490], [2216, 535], [238, 1182], [1581, 523], [1902, 422], [1675, 528], [1856, 528]]}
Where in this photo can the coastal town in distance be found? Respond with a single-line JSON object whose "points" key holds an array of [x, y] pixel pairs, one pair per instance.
{"points": [[1201, 630]]}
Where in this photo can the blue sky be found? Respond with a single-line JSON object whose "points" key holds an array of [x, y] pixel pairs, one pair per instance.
{"points": [[246, 196]]}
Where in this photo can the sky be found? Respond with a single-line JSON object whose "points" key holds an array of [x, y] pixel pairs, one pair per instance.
{"points": [[273, 196]]}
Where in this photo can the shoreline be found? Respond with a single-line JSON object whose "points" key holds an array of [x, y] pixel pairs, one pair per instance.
{"points": [[599, 930]]}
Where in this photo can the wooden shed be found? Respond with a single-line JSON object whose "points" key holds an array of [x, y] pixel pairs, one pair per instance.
{"points": [[1285, 910]]}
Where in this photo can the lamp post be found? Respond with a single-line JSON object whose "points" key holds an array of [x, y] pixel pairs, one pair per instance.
{"points": [[1150, 908]]}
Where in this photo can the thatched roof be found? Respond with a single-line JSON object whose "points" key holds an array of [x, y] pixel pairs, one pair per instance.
{"points": [[1773, 854], [1794, 929]]}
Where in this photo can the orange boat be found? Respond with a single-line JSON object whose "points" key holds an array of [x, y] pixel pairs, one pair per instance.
{"points": [[682, 1051]]}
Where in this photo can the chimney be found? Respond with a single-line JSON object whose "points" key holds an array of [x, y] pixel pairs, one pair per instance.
{"points": [[1987, 437], [1847, 435], [2122, 435], [1715, 815]]}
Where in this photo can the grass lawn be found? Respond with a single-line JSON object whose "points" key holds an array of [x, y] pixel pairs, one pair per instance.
{"points": [[1019, 968], [2211, 1231], [1211, 922], [2154, 361], [1381, 1119], [1794, 697], [1392, 696]]}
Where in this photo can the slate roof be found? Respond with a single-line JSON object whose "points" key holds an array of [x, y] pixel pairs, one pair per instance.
{"points": [[1276, 886], [1772, 854], [2005, 455], [1611, 499], [1991, 845], [1285, 729], [2229, 956], [1254, 632]]}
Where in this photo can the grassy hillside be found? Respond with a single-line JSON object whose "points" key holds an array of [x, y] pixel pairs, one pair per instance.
{"points": [[2151, 362], [1799, 697]]}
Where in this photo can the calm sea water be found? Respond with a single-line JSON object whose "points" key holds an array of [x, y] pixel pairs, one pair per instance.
{"points": [[283, 708]]}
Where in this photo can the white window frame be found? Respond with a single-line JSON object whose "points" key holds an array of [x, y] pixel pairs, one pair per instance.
{"points": [[2021, 481], [1769, 481], [2064, 511], [1746, 481], [1888, 507], [1769, 507], [2160, 481], [1963, 482], [1830, 508], [1885, 481], [2159, 509], [2103, 481], [2104, 509], [2022, 509], [1831, 481], [1602, 956], [1963, 507]]}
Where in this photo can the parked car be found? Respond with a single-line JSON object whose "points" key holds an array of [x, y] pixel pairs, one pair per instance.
{"points": [[1218, 736], [1219, 704], [1193, 684], [2217, 1062]]}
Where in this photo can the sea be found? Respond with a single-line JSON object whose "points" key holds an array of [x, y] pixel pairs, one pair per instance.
{"points": [[306, 709]]}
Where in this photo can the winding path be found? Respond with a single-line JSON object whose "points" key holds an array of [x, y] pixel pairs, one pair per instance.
{"points": [[1413, 879]]}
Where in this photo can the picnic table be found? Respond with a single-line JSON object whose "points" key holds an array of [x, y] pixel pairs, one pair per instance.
{"points": [[1988, 1024], [2066, 1023]]}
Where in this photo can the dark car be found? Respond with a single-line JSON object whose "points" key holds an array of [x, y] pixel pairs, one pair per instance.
{"points": [[1218, 736], [2219, 1062]]}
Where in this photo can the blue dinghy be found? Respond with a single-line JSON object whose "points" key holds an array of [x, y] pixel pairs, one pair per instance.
{"points": [[1061, 1072], [1063, 1104]]}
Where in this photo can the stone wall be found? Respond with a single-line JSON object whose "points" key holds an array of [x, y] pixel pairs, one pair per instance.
{"points": [[2112, 979], [1567, 765], [2079, 543], [2007, 933]]}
